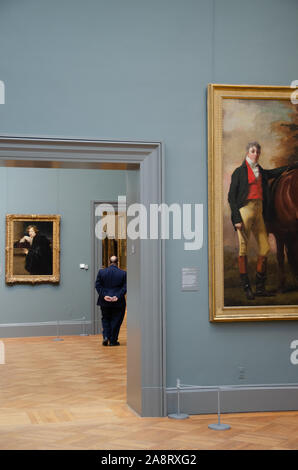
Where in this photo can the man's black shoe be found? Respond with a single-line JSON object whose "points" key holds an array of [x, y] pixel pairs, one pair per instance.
{"points": [[115, 344], [105, 342]]}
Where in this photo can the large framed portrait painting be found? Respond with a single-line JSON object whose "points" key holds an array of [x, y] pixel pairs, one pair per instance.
{"points": [[32, 248], [252, 203]]}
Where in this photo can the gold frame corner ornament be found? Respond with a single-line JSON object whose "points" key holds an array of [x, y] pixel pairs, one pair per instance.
{"points": [[10, 277]]}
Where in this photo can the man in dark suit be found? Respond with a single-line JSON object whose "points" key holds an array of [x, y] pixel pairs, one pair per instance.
{"points": [[250, 209], [111, 288]]}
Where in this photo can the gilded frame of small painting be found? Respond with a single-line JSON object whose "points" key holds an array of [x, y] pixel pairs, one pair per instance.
{"points": [[32, 249], [237, 116]]}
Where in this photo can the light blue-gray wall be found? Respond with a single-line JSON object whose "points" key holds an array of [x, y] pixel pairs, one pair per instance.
{"points": [[138, 70], [68, 193]]}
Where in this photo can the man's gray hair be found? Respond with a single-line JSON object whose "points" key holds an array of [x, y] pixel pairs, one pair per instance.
{"points": [[253, 144]]}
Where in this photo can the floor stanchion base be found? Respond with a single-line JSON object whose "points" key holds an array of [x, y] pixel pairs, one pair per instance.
{"points": [[178, 416], [219, 427]]}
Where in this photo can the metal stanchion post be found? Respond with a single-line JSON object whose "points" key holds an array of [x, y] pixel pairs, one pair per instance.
{"points": [[219, 426], [57, 339], [178, 415], [84, 327]]}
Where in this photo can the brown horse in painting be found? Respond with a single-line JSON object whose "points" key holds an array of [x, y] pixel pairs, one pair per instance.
{"points": [[284, 221]]}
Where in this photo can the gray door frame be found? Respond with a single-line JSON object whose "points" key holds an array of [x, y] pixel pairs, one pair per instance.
{"points": [[51, 152]]}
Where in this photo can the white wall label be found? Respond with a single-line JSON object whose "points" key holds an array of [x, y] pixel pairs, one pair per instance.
{"points": [[190, 279], [2, 92]]}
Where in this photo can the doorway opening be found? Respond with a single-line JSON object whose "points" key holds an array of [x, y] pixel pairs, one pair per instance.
{"points": [[146, 333], [110, 242]]}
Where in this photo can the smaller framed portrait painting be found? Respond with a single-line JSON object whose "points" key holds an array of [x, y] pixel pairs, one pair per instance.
{"points": [[32, 249]]}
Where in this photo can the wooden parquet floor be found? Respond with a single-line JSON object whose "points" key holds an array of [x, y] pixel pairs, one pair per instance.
{"points": [[72, 395]]}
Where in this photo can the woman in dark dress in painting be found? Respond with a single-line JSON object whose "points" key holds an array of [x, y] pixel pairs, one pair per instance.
{"points": [[38, 252]]}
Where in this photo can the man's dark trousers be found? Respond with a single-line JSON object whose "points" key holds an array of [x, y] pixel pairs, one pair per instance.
{"points": [[112, 318], [111, 282]]}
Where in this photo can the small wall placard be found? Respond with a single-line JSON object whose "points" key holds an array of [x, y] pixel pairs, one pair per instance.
{"points": [[190, 279]]}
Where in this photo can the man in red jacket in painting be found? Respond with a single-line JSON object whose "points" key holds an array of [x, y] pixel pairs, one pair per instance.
{"points": [[249, 201]]}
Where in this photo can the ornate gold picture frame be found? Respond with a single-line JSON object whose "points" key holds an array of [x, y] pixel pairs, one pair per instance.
{"points": [[32, 249], [237, 116]]}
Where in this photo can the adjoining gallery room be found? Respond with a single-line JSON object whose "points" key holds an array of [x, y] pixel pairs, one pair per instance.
{"points": [[56, 368], [148, 228]]}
